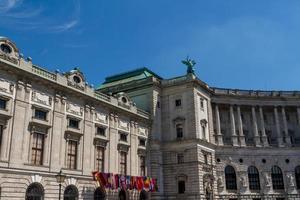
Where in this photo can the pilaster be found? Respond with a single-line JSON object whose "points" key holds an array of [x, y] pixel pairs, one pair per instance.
{"points": [[233, 130]]}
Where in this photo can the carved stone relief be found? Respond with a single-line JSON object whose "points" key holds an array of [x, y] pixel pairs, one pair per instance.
{"points": [[41, 98], [74, 109]]}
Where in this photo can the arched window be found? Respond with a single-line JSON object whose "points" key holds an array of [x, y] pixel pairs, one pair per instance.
{"points": [[179, 130], [144, 195], [99, 194], [277, 178], [71, 193], [230, 178], [253, 177], [297, 175], [35, 191]]}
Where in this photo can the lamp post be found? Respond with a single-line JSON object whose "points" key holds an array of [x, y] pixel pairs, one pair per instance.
{"points": [[60, 178]]}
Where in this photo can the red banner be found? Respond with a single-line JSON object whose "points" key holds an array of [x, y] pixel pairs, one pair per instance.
{"points": [[116, 181]]}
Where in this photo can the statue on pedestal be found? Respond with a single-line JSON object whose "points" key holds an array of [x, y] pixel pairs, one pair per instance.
{"points": [[190, 65]]}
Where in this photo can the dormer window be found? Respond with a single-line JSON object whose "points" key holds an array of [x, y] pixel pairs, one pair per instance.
{"points": [[76, 79], [124, 100], [5, 48]]}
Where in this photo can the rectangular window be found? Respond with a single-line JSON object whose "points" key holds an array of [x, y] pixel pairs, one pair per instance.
{"points": [[205, 159], [40, 114], [100, 158], [180, 158], [72, 154], [123, 137], [178, 102], [101, 131], [73, 123], [37, 149], [179, 131], [202, 103], [181, 187], [142, 166], [123, 162], [203, 132], [2, 104], [142, 142]]}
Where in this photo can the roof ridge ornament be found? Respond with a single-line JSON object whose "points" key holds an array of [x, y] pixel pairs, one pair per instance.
{"points": [[190, 65]]}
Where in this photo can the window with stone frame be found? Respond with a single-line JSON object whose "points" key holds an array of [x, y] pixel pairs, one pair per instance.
{"points": [[123, 162], [142, 142], [203, 132], [3, 103], [201, 103], [230, 178], [277, 178], [142, 165], [37, 148], [72, 154], [178, 102], [100, 158], [40, 114], [179, 130], [123, 136], [181, 187], [253, 178], [101, 130], [73, 123]]}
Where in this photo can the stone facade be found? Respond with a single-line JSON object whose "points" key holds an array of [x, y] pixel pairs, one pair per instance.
{"points": [[198, 131], [200, 142], [52, 121]]}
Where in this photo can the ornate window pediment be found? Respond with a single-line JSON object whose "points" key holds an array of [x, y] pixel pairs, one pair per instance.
{"points": [[124, 100], [76, 79], [178, 119], [9, 51]]}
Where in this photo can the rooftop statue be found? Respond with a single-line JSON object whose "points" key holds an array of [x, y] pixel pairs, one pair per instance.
{"points": [[190, 65]]}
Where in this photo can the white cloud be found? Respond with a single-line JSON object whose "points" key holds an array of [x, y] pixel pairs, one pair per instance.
{"points": [[15, 14], [6, 5], [63, 27]]}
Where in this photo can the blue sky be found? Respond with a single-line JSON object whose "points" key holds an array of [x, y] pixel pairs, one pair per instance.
{"points": [[237, 44]]}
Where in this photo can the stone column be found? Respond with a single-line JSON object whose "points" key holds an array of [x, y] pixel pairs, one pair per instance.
{"points": [[255, 129], [285, 127], [298, 114], [279, 137], [262, 127], [218, 126], [240, 124], [233, 131]]}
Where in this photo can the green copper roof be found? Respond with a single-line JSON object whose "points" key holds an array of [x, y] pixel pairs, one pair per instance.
{"points": [[136, 74]]}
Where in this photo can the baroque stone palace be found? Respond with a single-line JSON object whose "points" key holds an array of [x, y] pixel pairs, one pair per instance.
{"points": [[200, 142]]}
